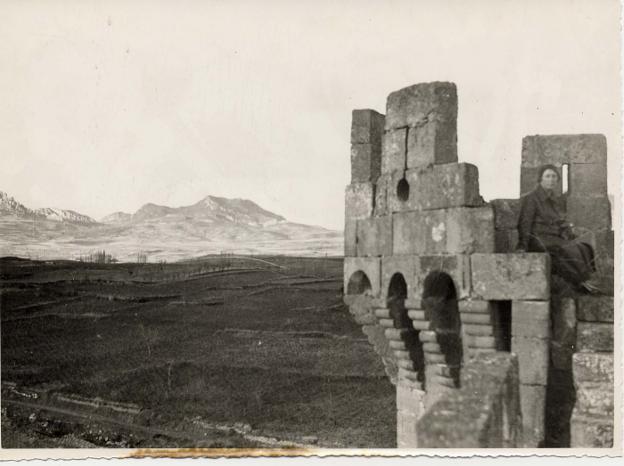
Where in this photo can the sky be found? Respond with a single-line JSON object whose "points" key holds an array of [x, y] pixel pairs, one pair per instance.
{"points": [[109, 105]]}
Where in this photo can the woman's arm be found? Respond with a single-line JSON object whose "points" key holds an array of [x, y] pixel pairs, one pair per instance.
{"points": [[528, 210]]}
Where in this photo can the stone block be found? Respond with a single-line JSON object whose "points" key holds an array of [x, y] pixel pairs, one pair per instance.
{"points": [[530, 319], [506, 212], [421, 103], [374, 236], [394, 150], [434, 142], [594, 309], [511, 276], [587, 179], [362, 275], [592, 398], [392, 265], [591, 212], [365, 163], [532, 405], [443, 186], [594, 337], [478, 329], [591, 431], [350, 238], [533, 358], [593, 368], [394, 202], [456, 266], [359, 198], [469, 230], [409, 397], [474, 306], [468, 318], [367, 127], [604, 244], [381, 195], [485, 342], [560, 149], [421, 232], [406, 430]]}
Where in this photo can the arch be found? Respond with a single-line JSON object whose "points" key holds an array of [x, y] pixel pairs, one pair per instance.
{"points": [[403, 189], [440, 304], [359, 283], [395, 302]]}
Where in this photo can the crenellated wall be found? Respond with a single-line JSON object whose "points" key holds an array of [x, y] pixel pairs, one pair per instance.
{"points": [[429, 269]]}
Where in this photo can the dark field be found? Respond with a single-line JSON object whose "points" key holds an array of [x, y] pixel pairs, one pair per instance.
{"points": [[211, 353]]}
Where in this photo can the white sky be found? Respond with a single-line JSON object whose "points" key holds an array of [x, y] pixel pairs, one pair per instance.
{"points": [[109, 105]]}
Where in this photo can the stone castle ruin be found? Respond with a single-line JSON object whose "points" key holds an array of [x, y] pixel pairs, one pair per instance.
{"points": [[485, 347]]}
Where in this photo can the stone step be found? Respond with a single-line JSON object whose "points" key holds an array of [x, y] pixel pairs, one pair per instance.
{"points": [[594, 337], [594, 309], [593, 367], [594, 398], [588, 431]]}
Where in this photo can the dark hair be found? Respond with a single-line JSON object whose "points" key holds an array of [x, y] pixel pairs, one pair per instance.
{"points": [[543, 168]]}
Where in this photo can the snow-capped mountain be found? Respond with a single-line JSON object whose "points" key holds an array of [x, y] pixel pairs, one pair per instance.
{"points": [[9, 206]]}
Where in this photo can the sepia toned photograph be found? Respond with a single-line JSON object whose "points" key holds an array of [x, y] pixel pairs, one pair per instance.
{"points": [[238, 229]]}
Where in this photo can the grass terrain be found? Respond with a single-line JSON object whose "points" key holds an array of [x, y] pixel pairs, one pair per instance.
{"points": [[190, 354]]}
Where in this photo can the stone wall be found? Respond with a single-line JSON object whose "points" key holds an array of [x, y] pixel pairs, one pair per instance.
{"points": [[430, 270]]}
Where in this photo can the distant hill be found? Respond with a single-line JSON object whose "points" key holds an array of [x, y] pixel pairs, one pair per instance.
{"points": [[211, 225]]}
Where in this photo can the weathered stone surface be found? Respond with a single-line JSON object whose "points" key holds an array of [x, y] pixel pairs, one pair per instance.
{"points": [[404, 265], [591, 431], [533, 404], [480, 341], [394, 150], [469, 230], [350, 238], [406, 430], [484, 412], [594, 336], [359, 200], [367, 127], [587, 179], [594, 309], [374, 236], [456, 266], [361, 307], [506, 213], [559, 149], [434, 142], [474, 306], [381, 195], [478, 329], [394, 203], [419, 232], [591, 212], [409, 397], [593, 368], [530, 319], [365, 163], [370, 266], [511, 276], [593, 398], [533, 358], [375, 336], [443, 186], [417, 104]]}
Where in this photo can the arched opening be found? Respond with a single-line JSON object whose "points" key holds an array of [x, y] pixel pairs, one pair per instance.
{"points": [[397, 294], [403, 190], [359, 284], [440, 305]]}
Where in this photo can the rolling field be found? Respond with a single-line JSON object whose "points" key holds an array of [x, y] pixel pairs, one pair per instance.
{"points": [[252, 352]]}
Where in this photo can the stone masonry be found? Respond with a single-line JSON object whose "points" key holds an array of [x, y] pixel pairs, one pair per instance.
{"points": [[430, 274]]}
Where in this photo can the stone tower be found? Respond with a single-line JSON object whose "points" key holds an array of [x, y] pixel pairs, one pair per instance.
{"points": [[462, 324]]}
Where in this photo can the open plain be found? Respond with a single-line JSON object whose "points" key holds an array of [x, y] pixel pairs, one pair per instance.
{"points": [[222, 351]]}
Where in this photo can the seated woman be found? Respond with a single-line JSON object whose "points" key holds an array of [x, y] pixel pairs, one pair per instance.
{"points": [[542, 227]]}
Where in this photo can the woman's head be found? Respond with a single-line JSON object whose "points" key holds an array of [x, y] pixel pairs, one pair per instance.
{"points": [[548, 177]]}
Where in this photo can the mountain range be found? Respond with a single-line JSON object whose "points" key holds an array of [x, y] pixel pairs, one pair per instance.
{"points": [[212, 225]]}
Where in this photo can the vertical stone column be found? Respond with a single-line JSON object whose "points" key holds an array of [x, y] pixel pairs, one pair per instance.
{"points": [[410, 407], [530, 341], [366, 133]]}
